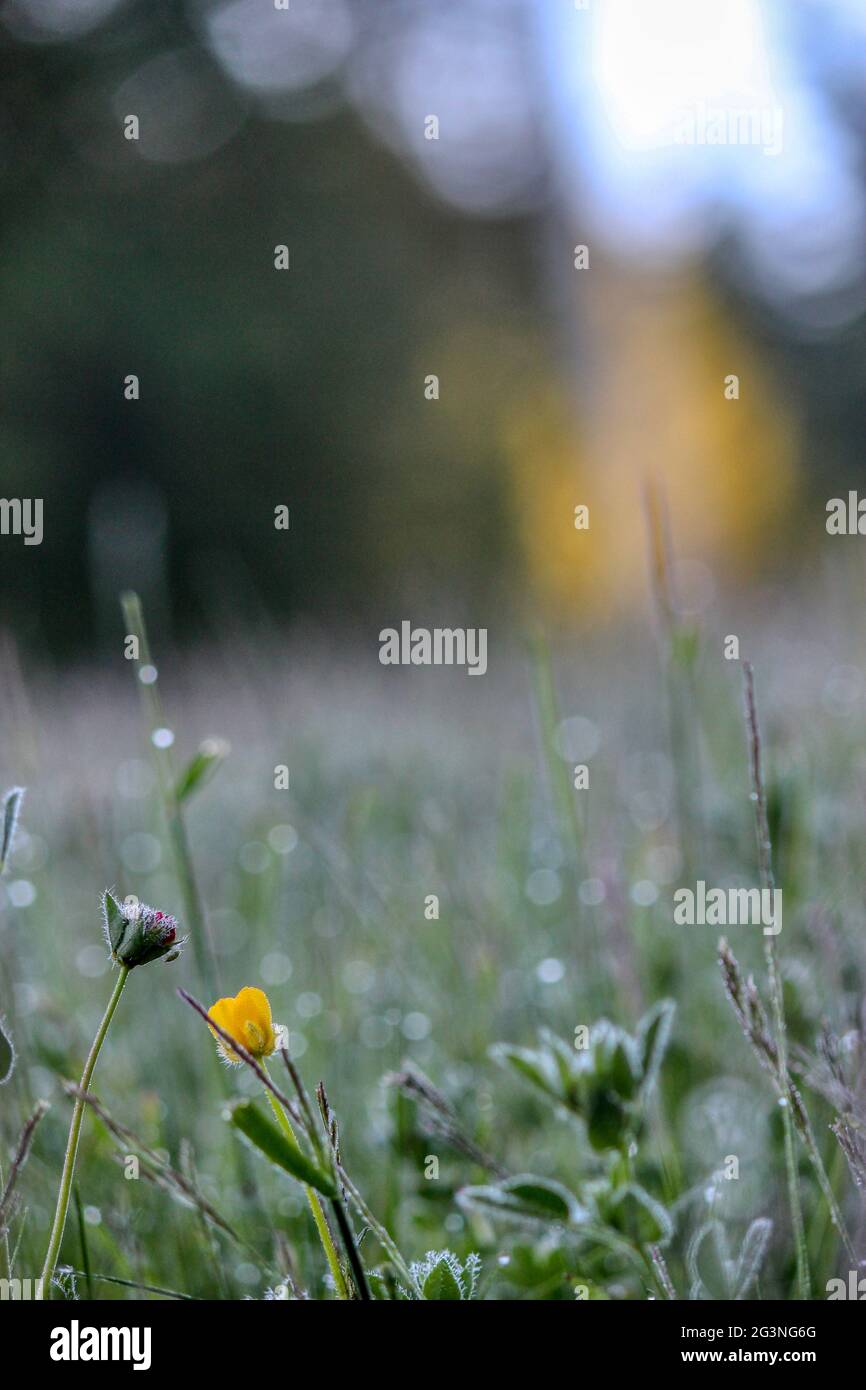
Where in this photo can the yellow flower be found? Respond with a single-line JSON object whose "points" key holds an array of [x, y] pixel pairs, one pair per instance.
{"points": [[247, 1019]]}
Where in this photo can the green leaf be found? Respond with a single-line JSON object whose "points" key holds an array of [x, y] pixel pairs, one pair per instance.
{"points": [[571, 1067], [653, 1036], [525, 1198], [276, 1145], [607, 1120], [7, 1054], [11, 806], [201, 767], [537, 1067], [708, 1263], [633, 1211], [441, 1285], [615, 1058], [116, 923], [752, 1252]]}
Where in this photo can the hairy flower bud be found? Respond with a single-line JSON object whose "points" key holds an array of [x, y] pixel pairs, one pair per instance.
{"points": [[137, 934]]}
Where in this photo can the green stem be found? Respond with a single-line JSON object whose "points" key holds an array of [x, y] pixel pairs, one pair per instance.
{"points": [[82, 1238], [768, 883], [351, 1248], [800, 1246], [384, 1239], [72, 1142], [316, 1208]]}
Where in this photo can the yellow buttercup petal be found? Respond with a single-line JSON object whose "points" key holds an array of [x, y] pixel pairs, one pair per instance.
{"points": [[254, 1012], [223, 1013], [247, 1018]]}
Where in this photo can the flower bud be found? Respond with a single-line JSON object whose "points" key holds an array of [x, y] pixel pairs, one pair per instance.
{"points": [[137, 934]]}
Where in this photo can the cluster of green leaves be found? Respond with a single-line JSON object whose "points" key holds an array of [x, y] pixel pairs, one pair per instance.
{"points": [[606, 1085]]}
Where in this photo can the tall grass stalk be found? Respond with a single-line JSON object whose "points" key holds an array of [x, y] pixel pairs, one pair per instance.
{"points": [[568, 821], [194, 911], [765, 870], [793, 1112], [65, 1189], [7, 1187]]}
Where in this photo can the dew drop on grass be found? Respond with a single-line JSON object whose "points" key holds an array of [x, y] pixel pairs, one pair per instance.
{"points": [[416, 1026], [358, 976], [140, 852], [308, 1005], [543, 887], [147, 674], [21, 892], [275, 968], [282, 839], [162, 738], [92, 961], [254, 857], [592, 892], [550, 971], [644, 893]]}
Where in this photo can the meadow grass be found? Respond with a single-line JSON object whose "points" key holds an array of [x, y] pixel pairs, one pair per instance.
{"points": [[603, 1174]]}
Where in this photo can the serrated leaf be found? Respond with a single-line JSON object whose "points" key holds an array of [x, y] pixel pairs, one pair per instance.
{"points": [[201, 767], [276, 1145], [441, 1284], [525, 1198], [7, 1054], [11, 807], [752, 1253]]}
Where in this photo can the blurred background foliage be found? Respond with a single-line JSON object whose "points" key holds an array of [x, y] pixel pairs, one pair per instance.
{"points": [[409, 256], [559, 386]]}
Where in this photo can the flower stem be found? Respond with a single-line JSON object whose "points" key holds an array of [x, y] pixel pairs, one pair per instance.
{"points": [[316, 1208], [381, 1234], [72, 1142]]}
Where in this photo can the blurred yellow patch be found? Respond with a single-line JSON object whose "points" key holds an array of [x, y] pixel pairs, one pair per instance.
{"points": [[648, 404]]}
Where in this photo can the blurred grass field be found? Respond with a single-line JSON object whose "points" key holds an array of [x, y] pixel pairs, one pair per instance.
{"points": [[555, 908]]}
